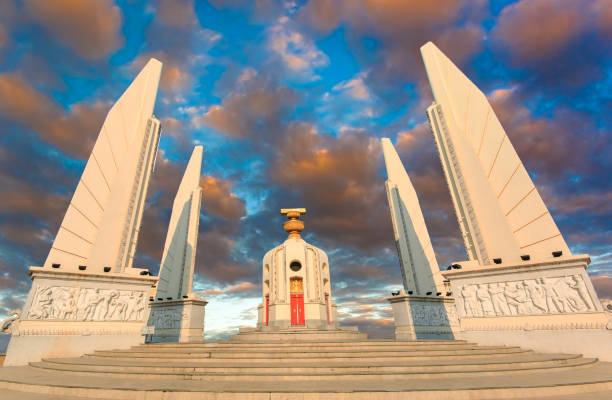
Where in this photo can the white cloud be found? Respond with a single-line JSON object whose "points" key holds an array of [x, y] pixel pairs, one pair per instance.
{"points": [[246, 75], [299, 53], [354, 87]]}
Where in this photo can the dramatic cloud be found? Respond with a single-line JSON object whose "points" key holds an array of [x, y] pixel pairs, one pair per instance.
{"points": [[73, 132], [540, 34], [256, 111], [537, 30], [219, 200], [547, 146], [401, 27], [174, 75], [176, 13], [337, 180], [91, 29]]}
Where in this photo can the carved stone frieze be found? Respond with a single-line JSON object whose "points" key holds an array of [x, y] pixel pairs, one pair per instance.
{"points": [[431, 314], [167, 318], [87, 304], [559, 295]]}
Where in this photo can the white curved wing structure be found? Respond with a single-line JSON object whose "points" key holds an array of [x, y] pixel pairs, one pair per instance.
{"points": [[100, 227], [420, 271], [500, 212], [178, 260]]}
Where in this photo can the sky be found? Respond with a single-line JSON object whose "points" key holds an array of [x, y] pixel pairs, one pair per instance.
{"points": [[290, 100]]}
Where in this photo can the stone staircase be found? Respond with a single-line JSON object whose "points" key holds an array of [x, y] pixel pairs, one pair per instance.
{"points": [[361, 369]]}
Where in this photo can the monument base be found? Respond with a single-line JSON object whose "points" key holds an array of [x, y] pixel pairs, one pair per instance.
{"points": [[549, 305], [68, 314], [424, 317], [177, 321]]}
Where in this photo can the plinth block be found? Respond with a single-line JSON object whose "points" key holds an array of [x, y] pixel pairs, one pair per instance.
{"points": [[68, 314], [423, 317], [177, 321]]}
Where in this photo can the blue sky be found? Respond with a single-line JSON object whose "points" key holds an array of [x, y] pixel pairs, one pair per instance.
{"points": [[290, 99]]}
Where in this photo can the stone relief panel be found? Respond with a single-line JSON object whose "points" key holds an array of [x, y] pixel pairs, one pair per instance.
{"points": [[557, 295], [167, 318], [432, 314], [87, 304]]}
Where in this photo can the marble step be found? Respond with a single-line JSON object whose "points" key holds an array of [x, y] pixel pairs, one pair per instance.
{"points": [[302, 346], [315, 349], [387, 342], [596, 381], [152, 370], [248, 362], [311, 375], [292, 353]]}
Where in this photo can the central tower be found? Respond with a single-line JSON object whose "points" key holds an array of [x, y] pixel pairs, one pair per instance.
{"points": [[296, 287]]}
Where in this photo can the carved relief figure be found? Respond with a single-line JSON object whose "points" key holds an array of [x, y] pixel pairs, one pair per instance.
{"points": [[485, 300], [469, 301], [67, 306], [553, 300], [516, 298], [531, 296], [87, 304], [496, 291], [577, 283], [92, 300], [535, 292]]}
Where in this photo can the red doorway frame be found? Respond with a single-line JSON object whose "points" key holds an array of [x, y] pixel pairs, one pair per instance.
{"points": [[297, 308]]}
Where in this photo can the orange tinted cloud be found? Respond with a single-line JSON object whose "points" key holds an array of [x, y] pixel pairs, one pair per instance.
{"points": [[176, 13], [337, 180], [536, 30], [174, 77], [547, 146], [219, 199], [241, 112], [91, 28], [402, 26], [73, 133]]}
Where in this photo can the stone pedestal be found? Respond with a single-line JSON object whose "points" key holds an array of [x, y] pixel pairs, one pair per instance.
{"points": [[68, 314], [423, 317], [549, 306], [177, 321]]}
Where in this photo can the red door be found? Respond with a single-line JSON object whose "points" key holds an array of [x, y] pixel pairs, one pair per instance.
{"points": [[297, 309], [267, 308]]}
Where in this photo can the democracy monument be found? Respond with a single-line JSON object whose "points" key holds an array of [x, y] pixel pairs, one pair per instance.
{"points": [[518, 319]]}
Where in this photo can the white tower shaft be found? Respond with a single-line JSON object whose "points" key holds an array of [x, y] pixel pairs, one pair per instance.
{"points": [[100, 228], [178, 260], [420, 271], [500, 212]]}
